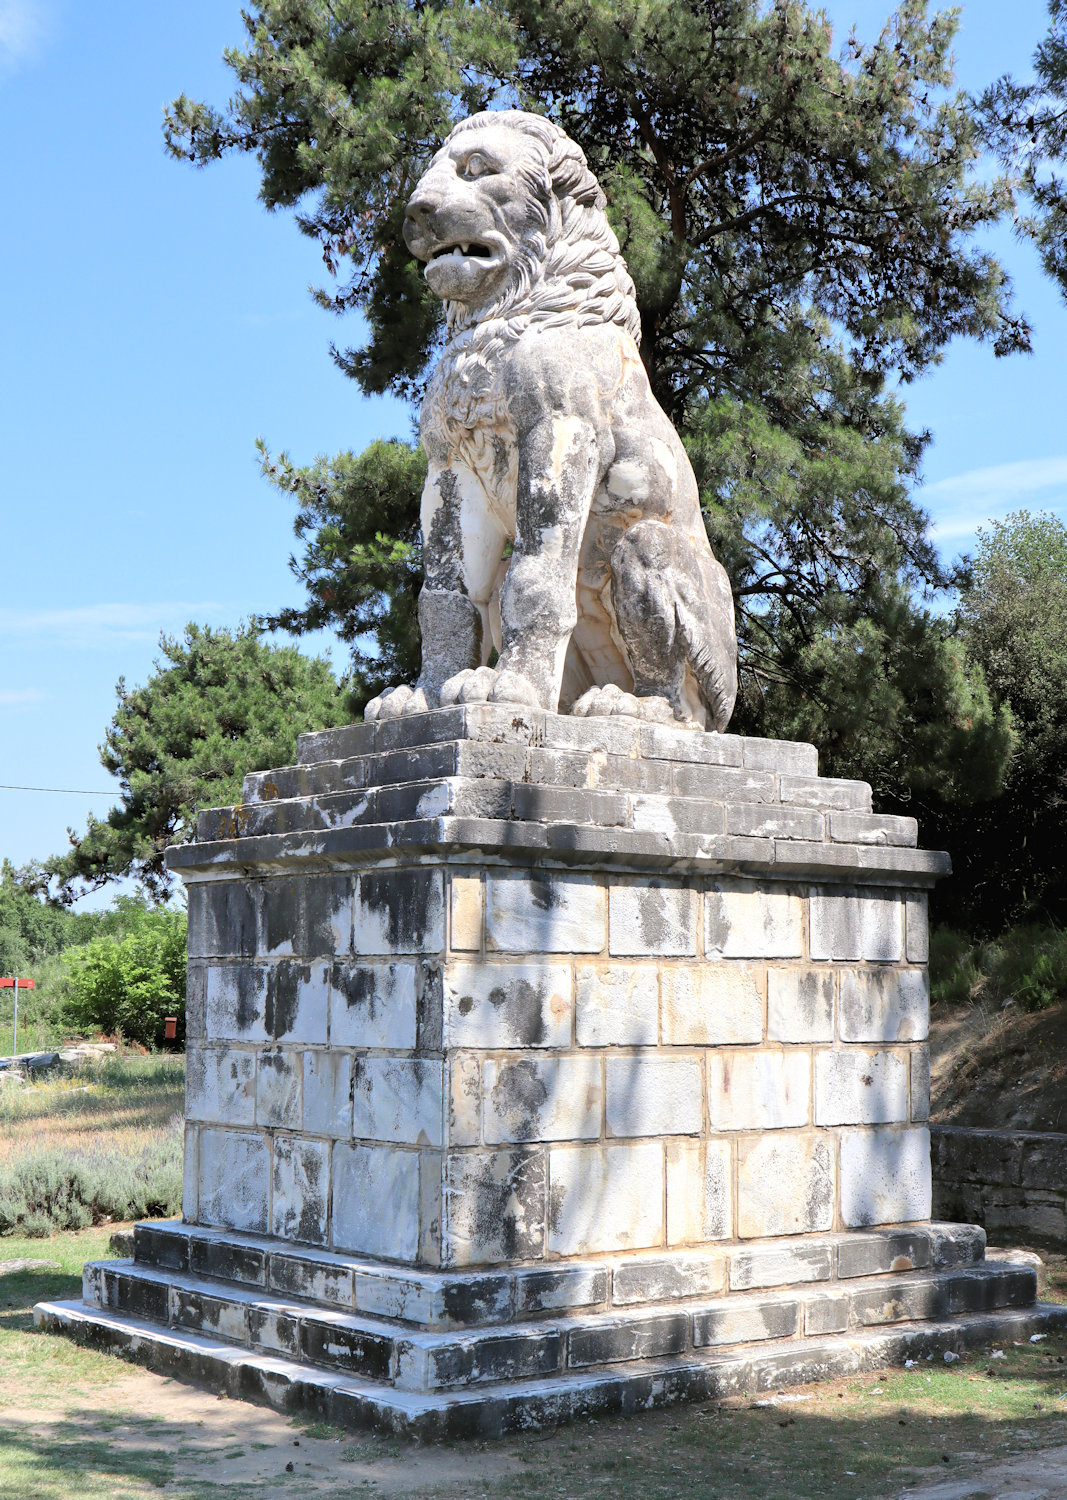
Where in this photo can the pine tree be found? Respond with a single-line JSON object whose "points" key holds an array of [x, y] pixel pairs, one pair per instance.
{"points": [[219, 704]]}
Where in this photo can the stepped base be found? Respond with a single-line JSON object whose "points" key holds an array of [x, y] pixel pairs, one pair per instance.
{"points": [[363, 1342], [349, 1402]]}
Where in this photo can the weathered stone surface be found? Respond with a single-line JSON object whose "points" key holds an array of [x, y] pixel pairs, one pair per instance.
{"points": [[884, 1005], [652, 920], [654, 1096], [846, 925], [616, 1005], [220, 1085], [507, 1005], [758, 1090], [467, 919], [885, 1176], [495, 1205], [373, 1005], [327, 1094], [544, 913], [279, 1089], [747, 1320], [872, 828], [920, 1085], [223, 919], [605, 1198], [399, 911], [918, 927], [860, 1087], [398, 1099], [234, 1179], [298, 1002], [543, 1099], [235, 1003], [712, 1004], [825, 791], [299, 1189], [780, 1265], [785, 1185], [682, 1276], [800, 1005], [744, 922], [463, 1077], [650, 1337], [699, 1191], [878, 1255], [364, 1179]]}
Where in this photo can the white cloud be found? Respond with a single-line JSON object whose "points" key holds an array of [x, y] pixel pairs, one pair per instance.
{"points": [[14, 697], [97, 625], [23, 24], [958, 506]]}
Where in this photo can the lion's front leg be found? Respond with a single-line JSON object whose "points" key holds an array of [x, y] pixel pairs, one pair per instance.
{"points": [[462, 545], [559, 468]]}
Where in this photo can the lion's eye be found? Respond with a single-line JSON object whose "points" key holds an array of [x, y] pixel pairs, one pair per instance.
{"points": [[477, 165]]}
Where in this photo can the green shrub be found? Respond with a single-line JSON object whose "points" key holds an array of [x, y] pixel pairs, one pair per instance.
{"points": [[128, 986], [1026, 965], [60, 1188]]}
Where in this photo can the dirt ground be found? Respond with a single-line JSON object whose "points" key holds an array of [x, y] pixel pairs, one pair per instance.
{"points": [[227, 1449], [1000, 1069]]}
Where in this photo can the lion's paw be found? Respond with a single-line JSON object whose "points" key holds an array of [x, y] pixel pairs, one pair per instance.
{"points": [[397, 701], [488, 685], [611, 701]]}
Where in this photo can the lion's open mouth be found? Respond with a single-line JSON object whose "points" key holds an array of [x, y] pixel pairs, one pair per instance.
{"points": [[464, 250]]}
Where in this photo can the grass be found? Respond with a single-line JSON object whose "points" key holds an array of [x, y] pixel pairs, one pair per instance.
{"points": [[101, 1141]]}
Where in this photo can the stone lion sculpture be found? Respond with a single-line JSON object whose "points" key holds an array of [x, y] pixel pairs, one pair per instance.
{"points": [[542, 432]]}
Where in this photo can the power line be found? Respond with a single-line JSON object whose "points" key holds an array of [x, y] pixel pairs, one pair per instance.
{"points": [[72, 790]]}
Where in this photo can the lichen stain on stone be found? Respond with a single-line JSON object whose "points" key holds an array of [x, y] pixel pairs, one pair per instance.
{"points": [[545, 895], [903, 1263], [283, 996], [358, 986], [521, 1091], [404, 899], [522, 1004], [246, 1013]]}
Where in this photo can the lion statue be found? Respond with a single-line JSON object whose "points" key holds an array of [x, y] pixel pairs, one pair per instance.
{"points": [[561, 522]]}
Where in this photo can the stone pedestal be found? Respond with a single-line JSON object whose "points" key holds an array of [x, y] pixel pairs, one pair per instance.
{"points": [[540, 1065]]}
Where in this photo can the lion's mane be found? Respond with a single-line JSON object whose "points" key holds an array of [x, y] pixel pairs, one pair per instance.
{"points": [[568, 272]]}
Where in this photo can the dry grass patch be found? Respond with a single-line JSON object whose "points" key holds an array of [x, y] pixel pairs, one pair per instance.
{"points": [[100, 1142]]}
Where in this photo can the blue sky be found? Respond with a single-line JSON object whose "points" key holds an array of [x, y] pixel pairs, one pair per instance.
{"points": [[156, 320]]}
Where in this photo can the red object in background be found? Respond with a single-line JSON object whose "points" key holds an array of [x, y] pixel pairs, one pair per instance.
{"points": [[170, 1027], [9, 984]]}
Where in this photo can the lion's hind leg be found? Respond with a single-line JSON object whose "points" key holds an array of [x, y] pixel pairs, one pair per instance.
{"points": [[674, 612]]}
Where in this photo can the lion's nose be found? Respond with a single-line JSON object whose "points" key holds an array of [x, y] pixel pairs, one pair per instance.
{"points": [[421, 208]]}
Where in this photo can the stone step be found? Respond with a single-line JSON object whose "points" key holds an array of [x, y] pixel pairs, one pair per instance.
{"points": [[575, 769], [347, 1401], [461, 1299], [741, 810], [380, 1350], [490, 724]]}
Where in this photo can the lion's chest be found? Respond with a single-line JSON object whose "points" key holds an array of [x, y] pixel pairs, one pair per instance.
{"points": [[465, 423]]}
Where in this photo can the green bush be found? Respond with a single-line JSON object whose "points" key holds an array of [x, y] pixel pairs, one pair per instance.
{"points": [[1026, 965], [128, 986]]}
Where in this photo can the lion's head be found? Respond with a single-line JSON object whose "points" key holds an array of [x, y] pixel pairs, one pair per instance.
{"points": [[510, 222]]}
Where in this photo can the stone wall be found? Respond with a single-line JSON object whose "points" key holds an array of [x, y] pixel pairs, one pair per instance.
{"points": [[465, 1063], [1012, 1182]]}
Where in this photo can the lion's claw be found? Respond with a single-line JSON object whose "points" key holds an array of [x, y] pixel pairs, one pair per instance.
{"points": [[397, 701], [612, 701]]}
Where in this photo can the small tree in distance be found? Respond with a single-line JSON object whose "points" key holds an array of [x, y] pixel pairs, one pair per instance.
{"points": [[219, 704]]}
